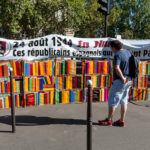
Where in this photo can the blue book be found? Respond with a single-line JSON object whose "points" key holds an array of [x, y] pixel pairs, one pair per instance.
{"points": [[71, 97], [26, 69], [16, 100], [5, 86], [149, 96], [97, 66], [42, 83], [56, 83], [52, 67]]}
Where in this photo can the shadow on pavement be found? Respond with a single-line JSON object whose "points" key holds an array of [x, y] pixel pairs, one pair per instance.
{"points": [[35, 121]]}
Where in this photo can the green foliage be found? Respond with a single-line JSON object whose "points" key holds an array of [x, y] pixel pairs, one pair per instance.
{"points": [[129, 18]]}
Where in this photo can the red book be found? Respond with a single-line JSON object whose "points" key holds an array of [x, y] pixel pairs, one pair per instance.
{"points": [[146, 82], [17, 68], [108, 67], [1, 71], [31, 69], [9, 100], [68, 64], [31, 100], [75, 82], [81, 96], [46, 99], [8, 87], [130, 94], [139, 94]]}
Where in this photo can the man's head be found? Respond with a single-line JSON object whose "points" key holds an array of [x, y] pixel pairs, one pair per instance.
{"points": [[115, 46]]}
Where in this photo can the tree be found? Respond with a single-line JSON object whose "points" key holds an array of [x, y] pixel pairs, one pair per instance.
{"points": [[34, 18]]}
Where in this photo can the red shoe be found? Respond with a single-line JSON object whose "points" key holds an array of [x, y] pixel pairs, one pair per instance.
{"points": [[105, 122], [119, 123]]}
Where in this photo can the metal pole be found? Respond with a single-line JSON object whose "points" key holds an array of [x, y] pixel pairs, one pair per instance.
{"points": [[89, 117], [13, 119], [106, 25]]}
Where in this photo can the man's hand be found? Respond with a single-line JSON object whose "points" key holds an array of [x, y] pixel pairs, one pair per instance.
{"points": [[125, 80]]}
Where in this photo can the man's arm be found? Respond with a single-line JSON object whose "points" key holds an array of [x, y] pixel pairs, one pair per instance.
{"points": [[120, 74]]}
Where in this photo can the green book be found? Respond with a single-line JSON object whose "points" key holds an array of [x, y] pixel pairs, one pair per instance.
{"points": [[40, 99], [57, 97], [63, 67], [76, 97], [44, 81], [106, 82], [148, 68], [30, 84], [35, 98]]}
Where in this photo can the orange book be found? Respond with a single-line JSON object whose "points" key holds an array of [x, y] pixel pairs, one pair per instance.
{"points": [[14, 68], [41, 68], [26, 84], [105, 67]]}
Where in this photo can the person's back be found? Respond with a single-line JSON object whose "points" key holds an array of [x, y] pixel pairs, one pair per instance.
{"points": [[121, 58]]}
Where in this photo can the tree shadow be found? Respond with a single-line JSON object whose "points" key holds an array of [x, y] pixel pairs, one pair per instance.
{"points": [[35, 121]]}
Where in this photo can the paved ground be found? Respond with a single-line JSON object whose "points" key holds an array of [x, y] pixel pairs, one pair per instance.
{"points": [[63, 127]]}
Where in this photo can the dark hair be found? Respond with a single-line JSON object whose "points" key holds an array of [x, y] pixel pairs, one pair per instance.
{"points": [[116, 44]]}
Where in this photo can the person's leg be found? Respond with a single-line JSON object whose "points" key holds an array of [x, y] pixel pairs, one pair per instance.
{"points": [[111, 111], [123, 112]]}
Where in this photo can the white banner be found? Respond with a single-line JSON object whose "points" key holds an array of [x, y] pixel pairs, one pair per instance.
{"points": [[52, 46]]}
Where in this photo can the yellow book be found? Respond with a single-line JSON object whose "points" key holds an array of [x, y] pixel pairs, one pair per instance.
{"points": [[14, 86], [96, 81], [70, 82], [7, 102], [26, 84], [144, 95], [14, 68], [60, 83], [41, 68], [37, 68], [64, 97], [100, 95], [67, 82], [48, 79], [51, 97], [143, 81], [34, 70], [42, 98], [49, 67], [67, 92], [92, 79], [3, 87], [57, 68], [91, 67], [81, 81]]}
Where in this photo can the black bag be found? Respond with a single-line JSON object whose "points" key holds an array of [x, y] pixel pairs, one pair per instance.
{"points": [[133, 67]]}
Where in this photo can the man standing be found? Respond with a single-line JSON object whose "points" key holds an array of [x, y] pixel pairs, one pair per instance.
{"points": [[119, 92]]}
